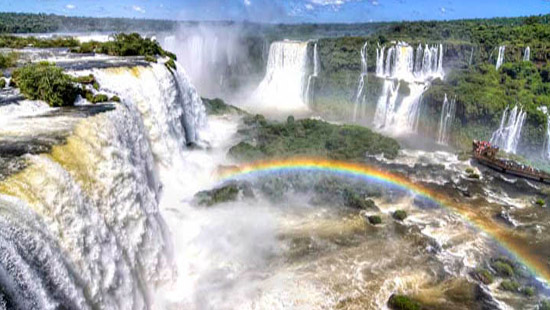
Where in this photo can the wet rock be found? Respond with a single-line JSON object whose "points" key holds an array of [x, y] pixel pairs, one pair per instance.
{"points": [[226, 193], [484, 299]]}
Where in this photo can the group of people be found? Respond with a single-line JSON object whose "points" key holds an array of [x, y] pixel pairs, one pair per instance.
{"points": [[485, 148]]}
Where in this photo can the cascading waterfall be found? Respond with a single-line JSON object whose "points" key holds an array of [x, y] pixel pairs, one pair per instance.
{"points": [[403, 65], [547, 135], [527, 54], [546, 147], [500, 59], [284, 85], [363, 78], [508, 135], [85, 231], [448, 111], [311, 80]]}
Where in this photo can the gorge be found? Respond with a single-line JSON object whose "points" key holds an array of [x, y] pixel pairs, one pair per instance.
{"points": [[350, 190]]}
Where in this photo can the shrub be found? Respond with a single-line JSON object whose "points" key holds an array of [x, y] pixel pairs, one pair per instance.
{"points": [[170, 64], [8, 60], [544, 305], [86, 80], [150, 58], [47, 82], [375, 220], [469, 170], [400, 215], [399, 302], [540, 202], [510, 286], [100, 98], [528, 291], [115, 99], [503, 268], [484, 276], [2, 83]]}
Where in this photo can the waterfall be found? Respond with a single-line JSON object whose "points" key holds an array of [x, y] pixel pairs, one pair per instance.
{"points": [[285, 83], [508, 134], [80, 226], [500, 59], [311, 80], [414, 67], [546, 147], [363, 79], [527, 54], [447, 117], [182, 110]]}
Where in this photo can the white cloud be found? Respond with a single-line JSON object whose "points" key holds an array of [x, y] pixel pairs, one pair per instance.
{"points": [[70, 6], [443, 10], [247, 2], [309, 7], [138, 9], [374, 2]]}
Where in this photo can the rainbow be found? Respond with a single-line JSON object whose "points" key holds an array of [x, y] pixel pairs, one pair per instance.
{"points": [[515, 243]]}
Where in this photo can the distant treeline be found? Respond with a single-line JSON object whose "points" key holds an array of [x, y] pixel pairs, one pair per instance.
{"points": [[464, 30]]}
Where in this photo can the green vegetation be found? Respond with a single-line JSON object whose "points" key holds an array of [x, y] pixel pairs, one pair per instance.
{"points": [[124, 44], [400, 302], [544, 305], [2, 83], [482, 94], [503, 267], [47, 82], [115, 99], [528, 291], [219, 107], [226, 193], [42, 23], [399, 215], [86, 79], [7, 60], [540, 202], [310, 137], [509, 285], [375, 220], [484, 276], [10, 41]]}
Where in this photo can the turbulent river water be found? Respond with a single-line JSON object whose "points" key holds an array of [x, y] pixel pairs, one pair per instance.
{"points": [[97, 211]]}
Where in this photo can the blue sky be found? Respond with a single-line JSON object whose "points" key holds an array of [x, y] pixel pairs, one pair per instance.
{"points": [[284, 10]]}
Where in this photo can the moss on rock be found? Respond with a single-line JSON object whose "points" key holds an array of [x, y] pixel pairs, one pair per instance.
{"points": [[400, 302], [399, 215], [219, 107], [375, 219], [226, 193]]}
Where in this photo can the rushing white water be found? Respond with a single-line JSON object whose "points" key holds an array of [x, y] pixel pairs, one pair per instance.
{"points": [[180, 114], [448, 111], [311, 80], [527, 54], [500, 58], [508, 135], [285, 83], [403, 65], [363, 78], [546, 147], [88, 212]]}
